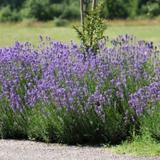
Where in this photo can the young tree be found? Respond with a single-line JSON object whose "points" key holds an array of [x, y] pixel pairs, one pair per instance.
{"points": [[92, 26], [84, 6]]}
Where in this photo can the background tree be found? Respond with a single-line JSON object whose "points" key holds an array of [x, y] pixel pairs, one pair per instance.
{"points": [[43, 10]]}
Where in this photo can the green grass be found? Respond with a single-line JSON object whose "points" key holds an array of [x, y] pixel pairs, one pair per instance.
{"points": [[9, 33], [140, 146]]}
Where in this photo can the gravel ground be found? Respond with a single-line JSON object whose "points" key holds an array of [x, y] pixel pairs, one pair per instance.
{"points": [[28, 150]]}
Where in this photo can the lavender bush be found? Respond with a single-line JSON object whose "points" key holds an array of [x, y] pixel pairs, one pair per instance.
{"points": [[146, 103], [54, 93]]}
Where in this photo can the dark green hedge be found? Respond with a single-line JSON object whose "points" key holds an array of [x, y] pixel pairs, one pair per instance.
{"points": [[44, 10]]}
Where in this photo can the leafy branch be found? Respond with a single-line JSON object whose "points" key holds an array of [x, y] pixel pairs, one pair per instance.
{"points": [[92, 29]]}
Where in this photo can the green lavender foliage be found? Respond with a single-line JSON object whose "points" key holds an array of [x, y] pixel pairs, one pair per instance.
{"points": [[150, 123], [12, 124]]}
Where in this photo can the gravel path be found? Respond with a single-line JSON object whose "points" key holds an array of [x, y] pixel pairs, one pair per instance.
{"points": [[27, 150]]}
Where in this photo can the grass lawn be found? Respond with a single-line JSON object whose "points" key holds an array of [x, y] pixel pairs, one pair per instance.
{"points": [[141, 146], [9, 33]]}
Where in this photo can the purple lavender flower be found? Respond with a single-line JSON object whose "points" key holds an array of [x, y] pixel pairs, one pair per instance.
{"points": [[141, 99], [60, 73]]}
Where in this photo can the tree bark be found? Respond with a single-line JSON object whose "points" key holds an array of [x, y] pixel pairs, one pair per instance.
{"points": [[94, 4], [82, 11]]}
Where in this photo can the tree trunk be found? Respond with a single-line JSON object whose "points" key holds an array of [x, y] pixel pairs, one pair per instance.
{"points": [[82, 11], [94, 4]]}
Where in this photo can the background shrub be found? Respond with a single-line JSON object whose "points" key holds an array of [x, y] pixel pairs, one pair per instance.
{"points": [[60, 22], [14, 4], [71, 11], [6, 14], [153, 9], [121, 8], [116, 9], [57, 9], [49, 9], [39, 9]]}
